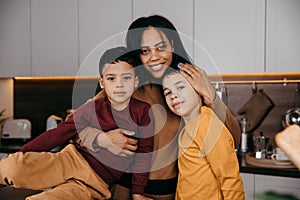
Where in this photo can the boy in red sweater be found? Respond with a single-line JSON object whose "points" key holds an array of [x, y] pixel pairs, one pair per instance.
{"points": [[75, 172]]}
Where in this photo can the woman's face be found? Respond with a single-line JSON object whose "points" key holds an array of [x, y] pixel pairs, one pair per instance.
{"points": [[156, 52]]}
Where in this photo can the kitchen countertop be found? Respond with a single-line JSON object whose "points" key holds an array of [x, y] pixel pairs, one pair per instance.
{"points": [[11, 146], [286, 172]]}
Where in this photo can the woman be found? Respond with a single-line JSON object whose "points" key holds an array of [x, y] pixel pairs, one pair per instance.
{"points": [[156, 45]]}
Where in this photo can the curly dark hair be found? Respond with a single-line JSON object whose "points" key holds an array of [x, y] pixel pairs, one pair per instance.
{"points": [[163, 25]]}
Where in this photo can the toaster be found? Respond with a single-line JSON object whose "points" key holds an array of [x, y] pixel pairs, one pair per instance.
{"points": [[16, 129]]}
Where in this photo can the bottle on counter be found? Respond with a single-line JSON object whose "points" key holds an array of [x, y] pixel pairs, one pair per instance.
{"points": [[221, 92], [244, 143]]}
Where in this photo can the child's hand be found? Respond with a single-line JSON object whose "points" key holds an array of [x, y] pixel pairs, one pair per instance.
{"points": [[140, 197]]}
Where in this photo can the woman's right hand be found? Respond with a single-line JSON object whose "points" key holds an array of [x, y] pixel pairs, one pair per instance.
{"points": [[117, 142]]}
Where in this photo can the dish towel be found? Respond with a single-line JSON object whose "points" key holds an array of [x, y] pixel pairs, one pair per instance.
{"points": [[256, 109]]}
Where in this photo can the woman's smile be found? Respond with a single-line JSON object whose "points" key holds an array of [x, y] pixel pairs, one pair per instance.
{"points": [[156, 67]]}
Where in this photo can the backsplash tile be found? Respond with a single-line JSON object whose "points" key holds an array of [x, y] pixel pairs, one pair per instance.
{"points": [[37, 99]]}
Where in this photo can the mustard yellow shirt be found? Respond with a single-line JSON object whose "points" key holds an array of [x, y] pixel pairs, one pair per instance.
{"points": [[208, 166]]}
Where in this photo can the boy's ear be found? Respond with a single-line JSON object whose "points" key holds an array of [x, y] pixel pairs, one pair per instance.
{"points": [[136, 82], [101, 82]]}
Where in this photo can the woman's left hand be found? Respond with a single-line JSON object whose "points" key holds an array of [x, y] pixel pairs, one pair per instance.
{"points": [[199, 81]]}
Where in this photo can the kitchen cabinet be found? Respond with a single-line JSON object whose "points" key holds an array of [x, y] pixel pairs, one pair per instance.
{"points": [[278, 185], [15, 38], [54, 37], [256, 184], [102, 25], [248, 181], [283, 41], [229, 36], [180, 13]]}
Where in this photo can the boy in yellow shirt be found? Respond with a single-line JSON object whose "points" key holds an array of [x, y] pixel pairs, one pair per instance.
{"points": [[208, 166]]}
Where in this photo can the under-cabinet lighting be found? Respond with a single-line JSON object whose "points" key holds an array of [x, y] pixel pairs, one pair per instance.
{"points": [[55, 77]]}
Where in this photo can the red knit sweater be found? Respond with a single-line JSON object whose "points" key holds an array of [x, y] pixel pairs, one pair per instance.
{"points": [[99, 114]]}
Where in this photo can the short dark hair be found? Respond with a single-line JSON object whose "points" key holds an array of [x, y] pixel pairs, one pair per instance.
{"points": [[170, 71], [115, 55]]}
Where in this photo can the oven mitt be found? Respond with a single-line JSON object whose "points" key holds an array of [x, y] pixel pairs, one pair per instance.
{"points": [[256, 109]]}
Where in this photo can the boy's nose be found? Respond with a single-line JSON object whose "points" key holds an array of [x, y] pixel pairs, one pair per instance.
{"points": [[174, 96], [119, 82]]}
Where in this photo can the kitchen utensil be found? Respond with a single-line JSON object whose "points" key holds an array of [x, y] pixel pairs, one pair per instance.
{"points": [[16, 129], [292, 116], [52, 122], [279, 155], [260, 143]]}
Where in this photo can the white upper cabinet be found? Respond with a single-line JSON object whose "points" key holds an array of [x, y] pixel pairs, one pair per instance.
{"points": [[102, 25], [283, 36], [15, 38], [180, 13], [67, 37], [54, 29], [229, 35]]}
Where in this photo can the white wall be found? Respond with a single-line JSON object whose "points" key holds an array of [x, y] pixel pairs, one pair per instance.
{"points": [[6, 94]]}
